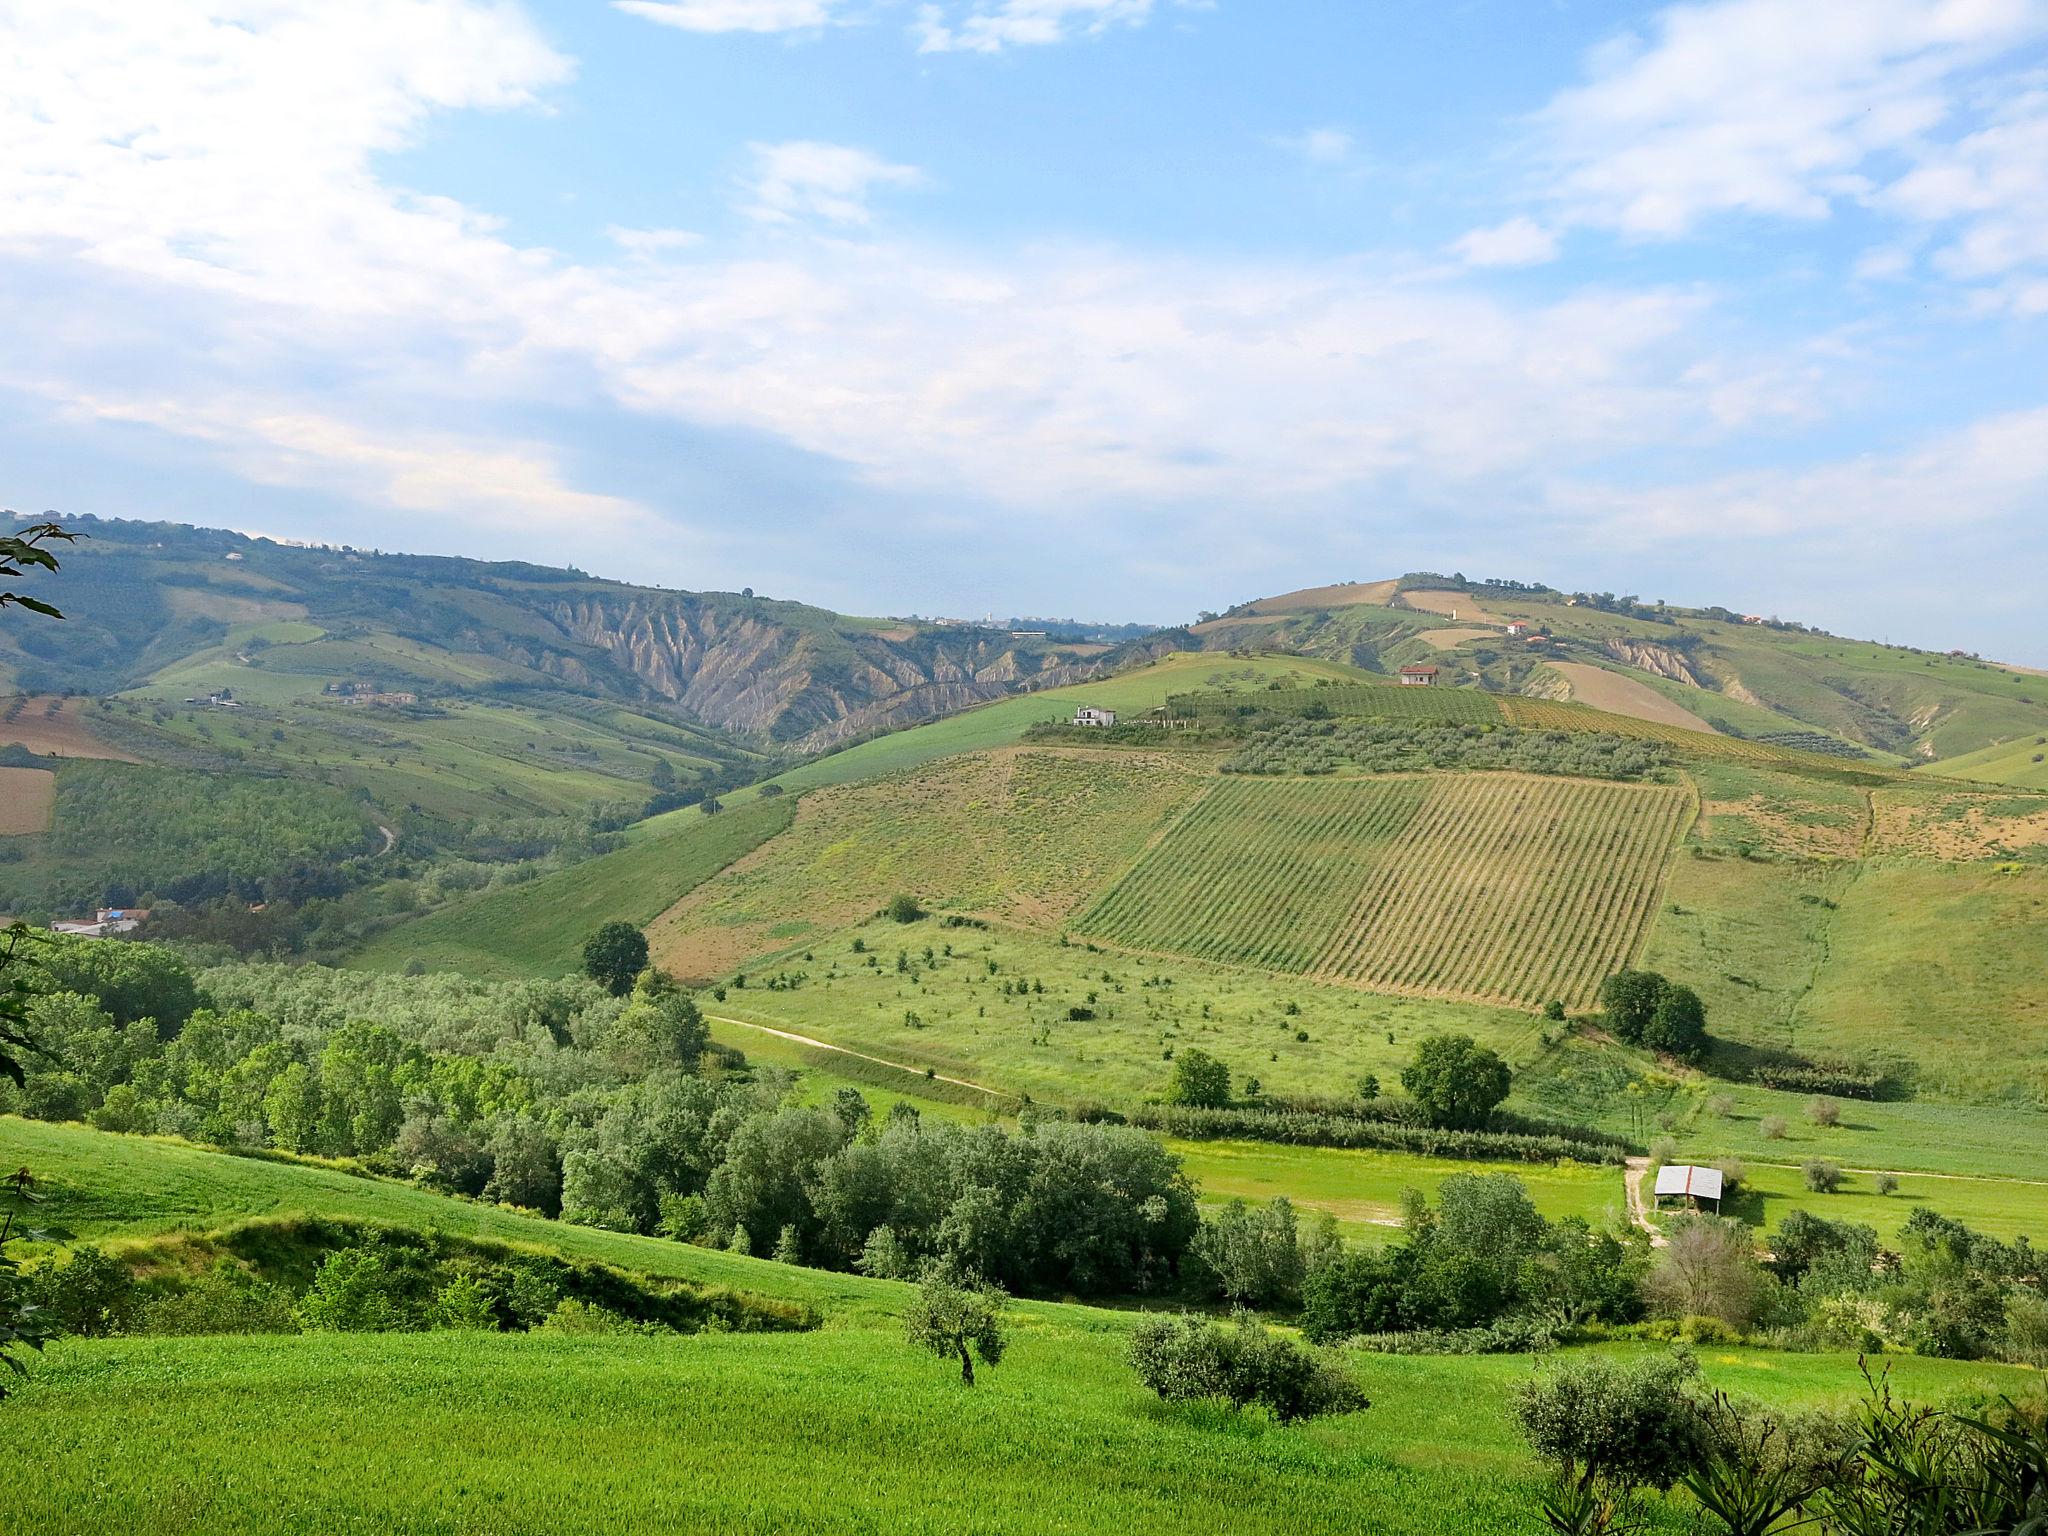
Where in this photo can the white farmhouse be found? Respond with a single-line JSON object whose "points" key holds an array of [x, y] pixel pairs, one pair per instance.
{"points": [[1089, 716]]}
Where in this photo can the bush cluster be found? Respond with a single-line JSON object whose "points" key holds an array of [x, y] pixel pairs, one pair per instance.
{"points": [[371, 1278]]}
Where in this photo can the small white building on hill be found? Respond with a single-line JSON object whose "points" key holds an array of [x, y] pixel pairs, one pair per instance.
{"points": [[1090, 716]]}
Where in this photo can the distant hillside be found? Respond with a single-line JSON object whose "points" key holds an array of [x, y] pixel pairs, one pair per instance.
{"points": [[165, 609], [1747, 676]]}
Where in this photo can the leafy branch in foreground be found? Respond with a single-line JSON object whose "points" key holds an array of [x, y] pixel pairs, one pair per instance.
{"points": [[22, 1324], [24, 551]]}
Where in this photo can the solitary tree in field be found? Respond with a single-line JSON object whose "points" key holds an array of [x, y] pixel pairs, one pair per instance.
{"points": [[1200, 1080], [1455, 1081], [614, 955], [959, 1317]]}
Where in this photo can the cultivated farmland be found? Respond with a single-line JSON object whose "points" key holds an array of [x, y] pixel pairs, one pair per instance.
{"points": [[26, 797], [1499, 888]]}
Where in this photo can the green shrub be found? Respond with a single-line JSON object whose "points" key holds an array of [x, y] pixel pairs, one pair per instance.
{"points": [[1199, 1081], [1185, 1359], [353, 1291], [91, 1294], [225, 1299], [465, 1302], [573, 1316]]}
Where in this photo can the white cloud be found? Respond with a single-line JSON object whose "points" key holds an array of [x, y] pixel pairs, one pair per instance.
{"points": [[217, 176], [386, 465], [734, 15], [989, 26], [807, 179], [1774, 107], [1519, 242], [1321, 146], [652, 244], [1986, 472], [1992, 185]]}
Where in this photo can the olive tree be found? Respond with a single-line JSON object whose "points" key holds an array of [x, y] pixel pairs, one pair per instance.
{"points": [[958, 1316], [1608, 1430]]}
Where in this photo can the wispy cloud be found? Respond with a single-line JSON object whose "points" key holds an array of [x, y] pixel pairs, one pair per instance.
{"points": [[735, 15], [1328, 145], [1519, 242], [1763, 107], [806, 179], [990, 26]]}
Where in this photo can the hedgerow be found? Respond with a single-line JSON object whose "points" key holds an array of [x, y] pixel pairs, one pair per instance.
{"points": [[1294, 1128]]}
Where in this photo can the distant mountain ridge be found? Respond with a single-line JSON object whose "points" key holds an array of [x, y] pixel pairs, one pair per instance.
{"points": [[143, 597]]}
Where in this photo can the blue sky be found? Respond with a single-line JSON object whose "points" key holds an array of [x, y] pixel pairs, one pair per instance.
{"points": [[1112, 308]]}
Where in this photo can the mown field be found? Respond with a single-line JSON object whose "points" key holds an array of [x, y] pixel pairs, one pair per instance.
{"points": [[27, 796], [1363, 1189], [841, 1429], [1595, 1083], [1489, 887], [1022, 835]]}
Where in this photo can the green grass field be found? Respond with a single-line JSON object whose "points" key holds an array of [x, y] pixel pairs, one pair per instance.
{"points": [[1623, 1091], [2004, 1208], [2022, 761], [954, 1014], [841, 1429], [1363, 1189], [467, 757], [538, 929]]}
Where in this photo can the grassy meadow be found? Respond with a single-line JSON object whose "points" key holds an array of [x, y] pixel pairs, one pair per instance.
{"points": [[1363, 1188], [844, 1428], [979, 1013]]}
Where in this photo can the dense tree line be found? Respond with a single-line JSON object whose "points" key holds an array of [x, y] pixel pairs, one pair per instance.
{"points": [[1321, 746], [614, 1111]]}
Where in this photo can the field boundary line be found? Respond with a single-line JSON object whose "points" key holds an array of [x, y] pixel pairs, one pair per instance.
{"points": [[921, 1073]]}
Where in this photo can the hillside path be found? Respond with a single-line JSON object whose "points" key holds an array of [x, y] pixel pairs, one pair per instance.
{"points": [[880, 1061], [1637, 1168]]}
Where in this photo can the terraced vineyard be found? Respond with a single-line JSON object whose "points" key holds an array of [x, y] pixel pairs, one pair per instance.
{"points": [[1493, 887]]}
